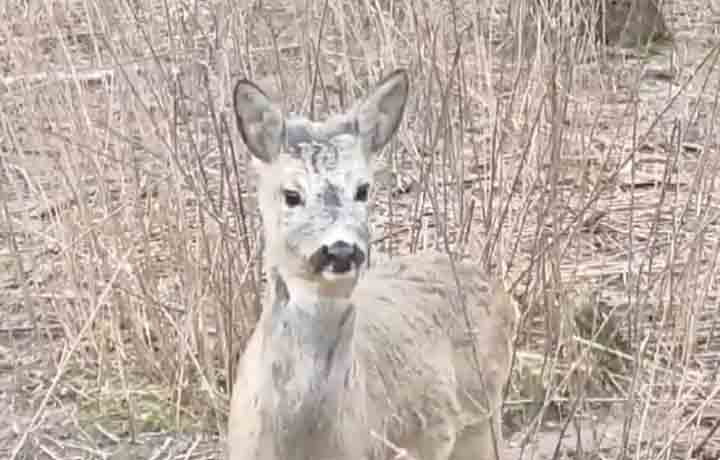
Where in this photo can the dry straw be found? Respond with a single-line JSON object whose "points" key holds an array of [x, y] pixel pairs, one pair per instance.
{"points": [[582, 173]]}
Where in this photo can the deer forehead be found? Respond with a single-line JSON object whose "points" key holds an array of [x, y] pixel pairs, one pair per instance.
{"points": [[322, 155]]}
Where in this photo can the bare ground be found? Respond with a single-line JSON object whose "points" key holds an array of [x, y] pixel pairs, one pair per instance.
{"points": [[129, 241]]}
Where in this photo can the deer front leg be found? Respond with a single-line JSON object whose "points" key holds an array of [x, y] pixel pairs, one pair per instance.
{"points": [[436, 442], [478, 442]]}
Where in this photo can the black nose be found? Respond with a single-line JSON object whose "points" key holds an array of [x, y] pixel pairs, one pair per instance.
{"points": [[339, 256]]}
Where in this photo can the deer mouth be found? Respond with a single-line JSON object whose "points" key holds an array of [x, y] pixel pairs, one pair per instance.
{"points": [[338, 259]]}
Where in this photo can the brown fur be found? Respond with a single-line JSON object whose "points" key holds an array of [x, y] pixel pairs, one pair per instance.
{"points": [[347, 369]]}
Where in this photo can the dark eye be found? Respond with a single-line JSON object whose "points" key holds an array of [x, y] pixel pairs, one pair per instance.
{"points": [[361, 194], [292, 198]]}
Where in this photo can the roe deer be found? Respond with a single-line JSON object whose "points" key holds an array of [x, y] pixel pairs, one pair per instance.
{"points": [[346, 362]]}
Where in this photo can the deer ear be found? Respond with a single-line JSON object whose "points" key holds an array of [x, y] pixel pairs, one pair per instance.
{"points": [[379, 114], [260, 122]]}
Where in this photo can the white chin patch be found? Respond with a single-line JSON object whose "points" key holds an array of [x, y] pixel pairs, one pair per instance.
{"points": [[331, 276]]}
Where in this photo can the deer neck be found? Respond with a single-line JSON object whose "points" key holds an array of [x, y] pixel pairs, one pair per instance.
{"points": [[309, 333], [309, 363]]}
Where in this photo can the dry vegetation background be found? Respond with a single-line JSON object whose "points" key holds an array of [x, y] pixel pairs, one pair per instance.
{"points": [[584, 174]]}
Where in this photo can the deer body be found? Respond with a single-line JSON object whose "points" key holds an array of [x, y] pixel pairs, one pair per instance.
{"points": [[345, 362]]}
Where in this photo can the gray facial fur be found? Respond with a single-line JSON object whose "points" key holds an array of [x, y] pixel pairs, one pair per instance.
{"points": [[324, 163]]}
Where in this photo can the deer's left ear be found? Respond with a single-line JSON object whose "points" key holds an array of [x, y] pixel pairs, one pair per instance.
{"points": [[379, 115]]}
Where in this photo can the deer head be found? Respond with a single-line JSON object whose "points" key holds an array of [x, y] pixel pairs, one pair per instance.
{"points": [[315, 178]]}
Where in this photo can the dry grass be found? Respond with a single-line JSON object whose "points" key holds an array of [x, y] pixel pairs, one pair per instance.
{"points": [[584, 175]]}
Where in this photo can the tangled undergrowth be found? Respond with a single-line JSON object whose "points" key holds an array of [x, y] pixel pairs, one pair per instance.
{"points": [[582, 172]]}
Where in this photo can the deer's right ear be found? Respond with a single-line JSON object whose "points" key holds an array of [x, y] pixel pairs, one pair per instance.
{"points": [[260, 122]]}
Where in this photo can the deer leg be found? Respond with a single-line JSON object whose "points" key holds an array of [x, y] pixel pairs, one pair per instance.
{"points": [[478, 442], [434, 443]]}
